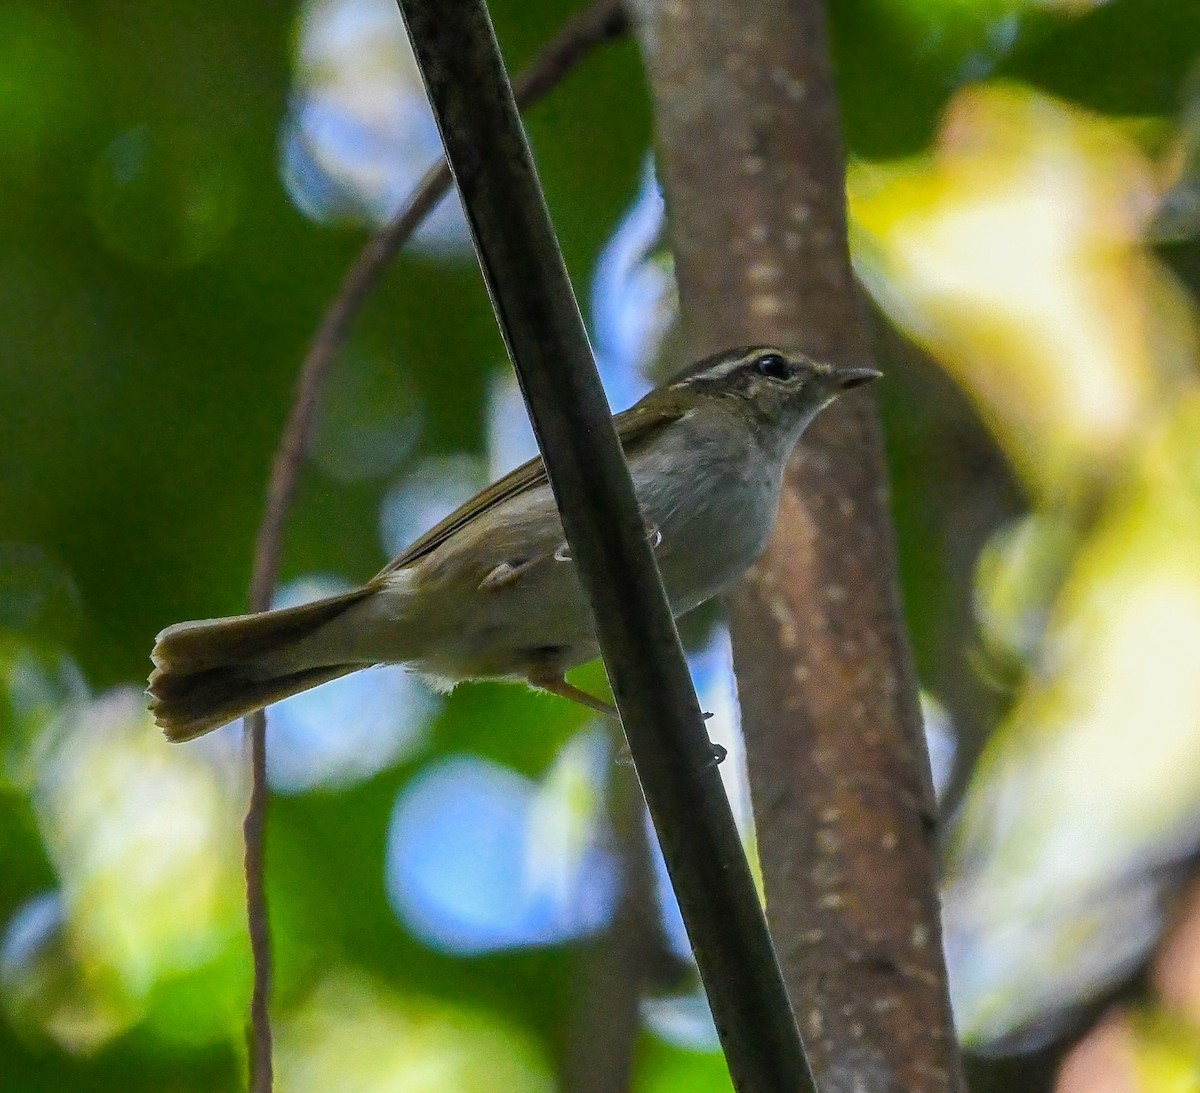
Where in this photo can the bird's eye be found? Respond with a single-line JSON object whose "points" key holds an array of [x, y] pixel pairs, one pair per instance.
{"points": [[773, 366]]}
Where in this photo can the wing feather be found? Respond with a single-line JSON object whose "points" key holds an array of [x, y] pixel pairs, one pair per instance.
{"points": [[635, 427]]}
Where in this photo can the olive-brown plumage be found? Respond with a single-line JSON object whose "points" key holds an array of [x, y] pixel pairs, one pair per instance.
{"points": [[491, 591]]}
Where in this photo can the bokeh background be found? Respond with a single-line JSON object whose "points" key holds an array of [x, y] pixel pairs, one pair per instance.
{"points": [[182, 189]]}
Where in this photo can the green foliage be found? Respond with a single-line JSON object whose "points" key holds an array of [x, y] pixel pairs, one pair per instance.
{"points": [[157, 290]]}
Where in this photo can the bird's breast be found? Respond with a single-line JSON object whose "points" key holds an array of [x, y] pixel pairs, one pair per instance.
{"points": [[714, 511]]}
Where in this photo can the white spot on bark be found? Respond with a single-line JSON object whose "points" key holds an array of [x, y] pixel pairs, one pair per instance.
{"points": [[767, 305], [828, 840], [761, 273]]}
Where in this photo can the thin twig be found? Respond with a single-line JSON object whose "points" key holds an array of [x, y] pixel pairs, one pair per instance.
{"points": [[582, 33], [253, 834]]}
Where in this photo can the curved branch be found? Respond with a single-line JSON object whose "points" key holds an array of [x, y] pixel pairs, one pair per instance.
{"points": [[582, 33], [604, 21]]}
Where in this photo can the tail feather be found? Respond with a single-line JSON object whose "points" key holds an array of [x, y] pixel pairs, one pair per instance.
{"points": [[187, 706], [211, 672], [211, 643]]}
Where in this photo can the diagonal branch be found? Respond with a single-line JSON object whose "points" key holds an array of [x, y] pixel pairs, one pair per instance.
{"points": [[752, 168], [582, 32], [538, 314]]}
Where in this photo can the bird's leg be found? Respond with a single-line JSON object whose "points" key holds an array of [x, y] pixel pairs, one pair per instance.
{"points": [[557, 685]]}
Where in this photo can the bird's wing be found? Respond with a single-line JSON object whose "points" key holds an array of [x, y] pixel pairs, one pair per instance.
{"points": [[635, 427]]}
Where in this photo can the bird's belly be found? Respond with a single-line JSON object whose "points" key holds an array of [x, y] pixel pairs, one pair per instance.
{"points": [[540, 620]]}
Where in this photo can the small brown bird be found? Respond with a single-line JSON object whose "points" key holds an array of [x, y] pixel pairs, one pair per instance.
{"points": [[491, 591]]}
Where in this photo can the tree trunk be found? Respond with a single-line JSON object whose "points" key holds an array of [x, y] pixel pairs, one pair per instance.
{"points": [[751, 163]]}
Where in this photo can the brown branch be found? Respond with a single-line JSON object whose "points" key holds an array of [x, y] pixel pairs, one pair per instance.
{"points": [[579, 35], [752, 168], [257, 919]]}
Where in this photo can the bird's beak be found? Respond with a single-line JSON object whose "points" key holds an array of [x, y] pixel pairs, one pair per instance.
{"points": [[845, 378]]}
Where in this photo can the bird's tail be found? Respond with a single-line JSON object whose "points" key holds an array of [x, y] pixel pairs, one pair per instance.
{"points": [[211, 672]]}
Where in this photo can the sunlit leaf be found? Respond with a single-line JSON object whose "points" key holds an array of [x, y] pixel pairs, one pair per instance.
{"points": [[1091, 782], [1014, 254], [145, 839], [356, 1036]]}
